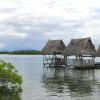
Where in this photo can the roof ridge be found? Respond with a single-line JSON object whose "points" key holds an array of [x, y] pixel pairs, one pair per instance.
{"points": [[80, 38]]}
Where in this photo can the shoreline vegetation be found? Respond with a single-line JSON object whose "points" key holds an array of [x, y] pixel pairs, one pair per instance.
{"points": [[22, 52], [10, 80]]}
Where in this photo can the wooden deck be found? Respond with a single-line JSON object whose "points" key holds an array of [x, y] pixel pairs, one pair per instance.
{"points": [[54, 65], [96, 66], [55, 61]]}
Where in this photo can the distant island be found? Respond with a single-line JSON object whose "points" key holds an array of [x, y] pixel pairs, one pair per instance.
{"points": [[22, 52]]}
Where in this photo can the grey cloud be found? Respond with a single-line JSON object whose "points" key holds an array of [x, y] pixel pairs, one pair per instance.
{"points": [[41, 25], [37, 30], [9, 10]]}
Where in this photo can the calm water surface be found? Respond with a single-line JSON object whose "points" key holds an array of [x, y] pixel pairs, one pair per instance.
{"points": [[53, 84]]}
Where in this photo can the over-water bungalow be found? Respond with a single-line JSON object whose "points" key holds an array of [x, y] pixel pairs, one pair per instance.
{"points": [[52, 53], [80, 53]]}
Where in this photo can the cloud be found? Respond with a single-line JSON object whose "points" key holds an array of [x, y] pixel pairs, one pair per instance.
{"points": [[30, 23], [35, 29]]}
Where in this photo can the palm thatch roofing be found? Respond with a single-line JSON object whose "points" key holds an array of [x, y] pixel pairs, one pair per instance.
{"points": [[79, 47], [53, 47], [98, 52]]}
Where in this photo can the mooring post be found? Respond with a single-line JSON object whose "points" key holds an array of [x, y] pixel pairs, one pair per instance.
{"points": [[43, 61]]}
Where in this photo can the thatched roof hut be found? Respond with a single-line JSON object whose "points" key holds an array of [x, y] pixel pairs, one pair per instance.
{"points": [[53, 47], [98, 52], [79, 47]]}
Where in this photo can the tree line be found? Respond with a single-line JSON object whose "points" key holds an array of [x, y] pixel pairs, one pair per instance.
{"points": [[27, 52]]}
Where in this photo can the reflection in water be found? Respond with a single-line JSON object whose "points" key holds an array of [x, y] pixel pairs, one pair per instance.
{"points": [[9, 97], [9, 94], [75, 82], [52, 84]]}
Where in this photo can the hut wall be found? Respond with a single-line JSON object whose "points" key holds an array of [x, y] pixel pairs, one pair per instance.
{"points": [[79, 62], [53, 60]]}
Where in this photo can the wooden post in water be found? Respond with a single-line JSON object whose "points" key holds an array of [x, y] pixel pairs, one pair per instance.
{"points": [[43, 61], [81, 60], [66, 62]]}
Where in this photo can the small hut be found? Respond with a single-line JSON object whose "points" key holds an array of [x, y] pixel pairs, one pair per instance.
{"points": [[83, 50], [52, 53]]}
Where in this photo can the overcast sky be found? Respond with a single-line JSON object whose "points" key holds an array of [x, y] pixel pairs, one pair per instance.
{"points": [[28, 24]]}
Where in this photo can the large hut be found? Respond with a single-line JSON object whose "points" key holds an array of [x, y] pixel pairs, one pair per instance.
{"points": [[83, 50], [52, 53]]}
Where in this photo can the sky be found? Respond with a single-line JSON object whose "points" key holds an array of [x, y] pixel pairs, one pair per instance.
{"points": [[29, 24]]}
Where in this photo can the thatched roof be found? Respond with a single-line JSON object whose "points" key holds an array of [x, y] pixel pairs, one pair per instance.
{"points": [[80, 47], [53, 46], [98, 52]]}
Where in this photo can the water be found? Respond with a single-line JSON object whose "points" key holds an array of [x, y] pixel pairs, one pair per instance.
{"points": [[51, 83]]}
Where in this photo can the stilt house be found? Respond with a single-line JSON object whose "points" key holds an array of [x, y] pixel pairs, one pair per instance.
{"points": [[52, 53], [83, 50]]}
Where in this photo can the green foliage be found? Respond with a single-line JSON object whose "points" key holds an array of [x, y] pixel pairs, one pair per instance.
{"points": [[9, 75], [10, 94]]}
